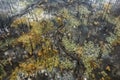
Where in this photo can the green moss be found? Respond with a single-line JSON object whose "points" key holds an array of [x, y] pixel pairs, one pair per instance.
{"points": [[2, 72], [8, 42], [70, 46], [111, 38], [117, 28], [83, 10], [66, 64], [89, 57], [71, 20]]}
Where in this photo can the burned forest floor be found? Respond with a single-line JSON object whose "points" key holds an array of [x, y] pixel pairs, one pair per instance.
{"points": [[75, 40]]}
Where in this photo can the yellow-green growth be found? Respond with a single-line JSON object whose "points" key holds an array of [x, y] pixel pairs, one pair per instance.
{"points": [[89, 57], [32, 66], [70, 46], [2, 72]]}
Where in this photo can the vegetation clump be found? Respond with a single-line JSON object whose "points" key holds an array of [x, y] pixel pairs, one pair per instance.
{"points": [[31, 66], [90, 54], [2, 72]]}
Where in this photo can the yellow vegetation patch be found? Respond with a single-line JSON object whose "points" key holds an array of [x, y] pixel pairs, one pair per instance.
{"points": [[93, 64], [108, 68], [34, 37], [79, 51], [32, 66], [116, 42], [18, 21]]}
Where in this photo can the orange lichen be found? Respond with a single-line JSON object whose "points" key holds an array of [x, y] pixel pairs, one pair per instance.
{"points": [[93, 64], [39, 53], [79, 51], [28, 67]]}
